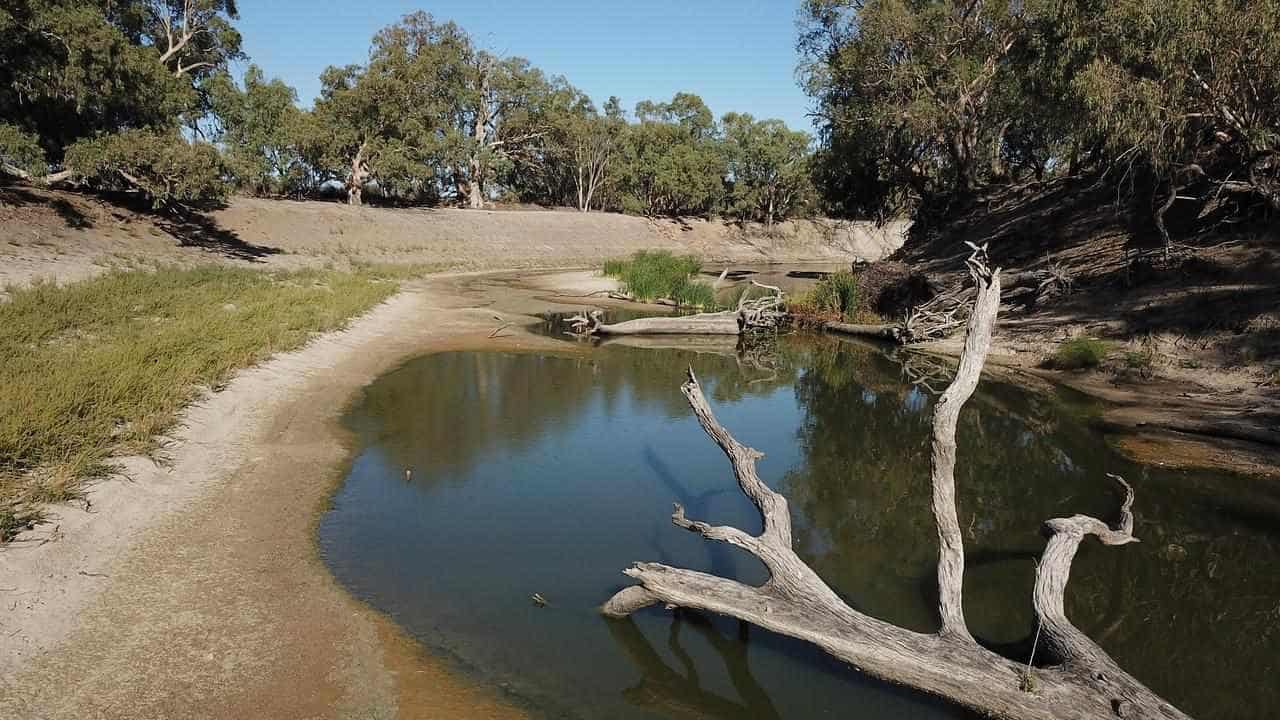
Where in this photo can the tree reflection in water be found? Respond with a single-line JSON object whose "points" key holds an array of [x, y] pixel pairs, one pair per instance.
{"points": [[679, 695], [537, 472]]}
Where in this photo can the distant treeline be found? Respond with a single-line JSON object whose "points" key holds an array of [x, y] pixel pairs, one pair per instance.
{"points": [[139, 94], [919, 105]]}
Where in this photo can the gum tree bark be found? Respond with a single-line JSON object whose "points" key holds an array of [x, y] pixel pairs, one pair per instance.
{"points": [[1081, 682], [360, 175]]}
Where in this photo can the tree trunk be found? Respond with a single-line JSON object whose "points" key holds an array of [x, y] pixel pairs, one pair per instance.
{"points": [[1082, 683], [887, 331], [480, 137], [475, 189], [359, 176], [999, 169]]}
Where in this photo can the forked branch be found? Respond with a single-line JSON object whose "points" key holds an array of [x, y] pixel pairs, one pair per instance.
{"points": [[1083, 683]]}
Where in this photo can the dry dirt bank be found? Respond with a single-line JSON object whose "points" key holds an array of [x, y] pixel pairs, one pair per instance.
{"points": [[1166, 421], [194, 589], [49, 233], [1193, 338]]}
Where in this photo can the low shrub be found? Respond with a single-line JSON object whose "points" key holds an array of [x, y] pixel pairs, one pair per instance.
{"points": [[163, 166], [1079, 354], [1143, 361], [21, 150]]}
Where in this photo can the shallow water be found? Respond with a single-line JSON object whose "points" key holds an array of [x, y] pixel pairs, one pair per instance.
{"points": [[538, 473]]}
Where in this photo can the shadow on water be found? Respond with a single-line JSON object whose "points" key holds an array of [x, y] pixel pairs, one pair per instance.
{"points": [[550, 474]]}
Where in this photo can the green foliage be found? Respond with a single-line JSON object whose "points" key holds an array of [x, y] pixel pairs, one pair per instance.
{"points": [[104, 366], [257, 125], [672, 161], [653, 274], [693, 294], [908, 91], [1139, 359], [836, 293], [924, 102], [615, 267], [21, 150], [73, 70], [1080, 353], [165, 167], [769, 167]]}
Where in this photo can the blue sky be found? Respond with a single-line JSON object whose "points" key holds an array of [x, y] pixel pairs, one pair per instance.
{"points": [[738, 55]]}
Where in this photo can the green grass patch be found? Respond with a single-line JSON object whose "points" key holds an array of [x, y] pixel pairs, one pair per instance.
{"points": [[835, 297], [615, 267], [653, 274], [1079, 354], [103, 367], [695, 295]]}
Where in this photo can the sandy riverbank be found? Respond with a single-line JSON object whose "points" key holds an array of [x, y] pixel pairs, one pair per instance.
{"points": [[194, 588]]}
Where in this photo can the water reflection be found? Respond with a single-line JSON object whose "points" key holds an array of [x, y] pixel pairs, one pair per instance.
{"points": [[550, 474], [680, 695]]}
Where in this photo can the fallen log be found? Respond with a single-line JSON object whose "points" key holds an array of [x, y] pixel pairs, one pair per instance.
{"points": [[887, 331], [1072, 678], [51, 179], [762, 313], [721, 323]]}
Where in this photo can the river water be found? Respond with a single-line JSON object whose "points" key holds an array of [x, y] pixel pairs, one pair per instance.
{"points": [[550, 474]]}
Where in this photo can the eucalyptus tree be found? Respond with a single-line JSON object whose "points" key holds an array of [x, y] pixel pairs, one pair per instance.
{"points": [[506, 116], [672, 161], [256, 126], [195, 37], [84, 71], [387, 121], [904, 94], [769, 166], [1184, 98], [582, 151], [914, 81]]}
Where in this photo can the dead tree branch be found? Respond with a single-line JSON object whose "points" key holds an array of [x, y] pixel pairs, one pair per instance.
{"points": [[1084, 683], [761, 313]]}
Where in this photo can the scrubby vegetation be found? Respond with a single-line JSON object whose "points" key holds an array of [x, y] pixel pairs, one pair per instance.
{"points": [[650, 275], [102, 367], [835, 297], [1080, 354], [837, 293]]}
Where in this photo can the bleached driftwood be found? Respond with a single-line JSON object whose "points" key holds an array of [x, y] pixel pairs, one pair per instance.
{"points": [[1074, 680], [760, 313]]}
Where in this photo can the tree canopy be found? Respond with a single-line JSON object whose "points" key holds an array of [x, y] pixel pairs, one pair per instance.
{"points": [[133, 95], [76, 71], [919, 106], [921, 102]]}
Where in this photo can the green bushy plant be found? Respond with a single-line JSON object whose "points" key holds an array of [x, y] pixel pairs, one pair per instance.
{"points": [[164, 166], [652, 274], [837, 294], [1080, 353], [21, 150]]}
